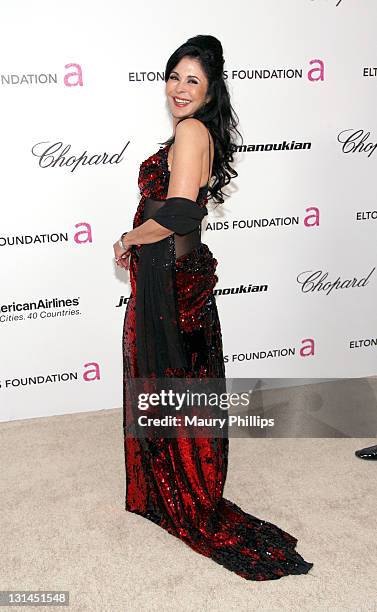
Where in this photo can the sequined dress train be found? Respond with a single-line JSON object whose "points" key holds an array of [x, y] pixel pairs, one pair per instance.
{"points": [[178, 483]]}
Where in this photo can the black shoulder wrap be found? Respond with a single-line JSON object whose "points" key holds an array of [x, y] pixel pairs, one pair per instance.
{"points": [[181, 215]]}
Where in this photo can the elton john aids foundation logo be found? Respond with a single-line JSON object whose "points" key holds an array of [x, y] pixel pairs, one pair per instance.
{"points": [[305, 349], [81, 237], [315, 73], [309, 220], [73, 77], [90, 372]]}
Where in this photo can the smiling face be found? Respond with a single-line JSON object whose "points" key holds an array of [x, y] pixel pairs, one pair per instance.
{"points": [[186, 88]]}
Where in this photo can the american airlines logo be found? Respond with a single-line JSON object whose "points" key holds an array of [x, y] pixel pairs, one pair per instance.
{"points": [[40, 303]]}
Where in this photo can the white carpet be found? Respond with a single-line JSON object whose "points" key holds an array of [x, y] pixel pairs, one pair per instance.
{"points": [[63, 523]]}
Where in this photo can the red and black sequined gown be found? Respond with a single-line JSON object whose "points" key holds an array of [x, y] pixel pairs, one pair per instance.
{"points": [[178, 483]]}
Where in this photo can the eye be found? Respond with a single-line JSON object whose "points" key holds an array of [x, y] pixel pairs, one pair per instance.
{"points": [[192, 81], [172, 76]]}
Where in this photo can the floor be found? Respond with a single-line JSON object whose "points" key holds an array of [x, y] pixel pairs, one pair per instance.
{"points": [[63, 523]]}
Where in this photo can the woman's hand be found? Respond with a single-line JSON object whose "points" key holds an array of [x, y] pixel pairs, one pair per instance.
{"points": [[122, 255]]}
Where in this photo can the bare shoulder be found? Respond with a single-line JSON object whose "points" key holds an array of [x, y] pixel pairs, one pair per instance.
{"points": [[193, 130]]}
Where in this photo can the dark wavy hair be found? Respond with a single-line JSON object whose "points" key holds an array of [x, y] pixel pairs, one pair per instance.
{"points": [[218, 114]]}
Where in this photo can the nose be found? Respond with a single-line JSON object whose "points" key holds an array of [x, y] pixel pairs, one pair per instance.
{"points": [[180, 87]]}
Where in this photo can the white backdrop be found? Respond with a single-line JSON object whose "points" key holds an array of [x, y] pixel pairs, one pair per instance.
{"points": [[88, 77]]}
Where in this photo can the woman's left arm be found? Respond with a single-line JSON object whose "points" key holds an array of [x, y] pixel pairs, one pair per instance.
{"points": [[189, 149]]}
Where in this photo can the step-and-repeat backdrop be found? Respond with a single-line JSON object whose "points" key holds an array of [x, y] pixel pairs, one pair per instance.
{"points": [[83, 104]]}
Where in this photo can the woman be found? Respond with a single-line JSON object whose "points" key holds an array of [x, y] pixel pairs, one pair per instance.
{"points": [[171, 325]]}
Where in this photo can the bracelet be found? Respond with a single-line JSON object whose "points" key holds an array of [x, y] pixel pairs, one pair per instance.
{"points": [[120, 241]]}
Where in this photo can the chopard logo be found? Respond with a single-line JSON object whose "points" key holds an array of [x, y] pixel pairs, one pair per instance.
{"points": [[337, 2], [316, 281], [56, 155], [356, 142]]}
